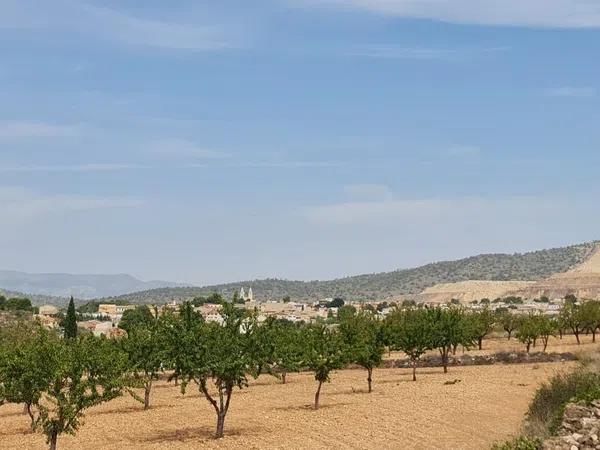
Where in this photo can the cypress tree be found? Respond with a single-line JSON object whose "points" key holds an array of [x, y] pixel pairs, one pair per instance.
{"points": [[71, 321]]}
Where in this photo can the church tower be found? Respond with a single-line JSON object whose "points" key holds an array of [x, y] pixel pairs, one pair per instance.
{"points": [[250, 295], [242, 294]]}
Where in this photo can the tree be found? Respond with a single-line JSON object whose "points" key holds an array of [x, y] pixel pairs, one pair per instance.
{"points": [[286, 299], [590, 313], [336, 303], [17, 304], [324, 352], [571, 317], [217, 353], [141, 316], [288, 348], [509, 322], [145, 350], [529, 331], [346, 312], [85, 372], [363, 337], [411, 332], [483, 324], [71, 321], [546, 327], [449, 330], [24, 370]]}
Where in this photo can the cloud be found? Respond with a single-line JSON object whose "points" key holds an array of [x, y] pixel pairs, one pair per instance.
{"points": [[570, 91], [522, 13], [182, 149], [112, 25], [74, 168], [421, 53], [427, 211], [13, 129], [21, 205]]}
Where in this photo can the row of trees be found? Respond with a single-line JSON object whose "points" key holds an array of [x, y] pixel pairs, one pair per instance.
{"points": [[58, 378]]}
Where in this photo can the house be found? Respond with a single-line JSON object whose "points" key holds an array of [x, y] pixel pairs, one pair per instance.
{"points": [[48, 310]]}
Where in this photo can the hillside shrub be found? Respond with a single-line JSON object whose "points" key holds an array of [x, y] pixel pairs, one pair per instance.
{"points": [[546, 410]]}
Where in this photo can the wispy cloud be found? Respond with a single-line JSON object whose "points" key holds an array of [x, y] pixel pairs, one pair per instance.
{"points": [[426, 210], [422, 53], [183, 149], [14, 129], [74, 168], [571, 91], [114, 26], [529, 13], [20, 204]]}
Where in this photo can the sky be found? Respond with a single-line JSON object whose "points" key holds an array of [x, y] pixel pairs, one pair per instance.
{"points": [[204, 142]]}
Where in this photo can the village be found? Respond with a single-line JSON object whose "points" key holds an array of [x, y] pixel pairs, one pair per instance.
{"points": [[105, 322]]}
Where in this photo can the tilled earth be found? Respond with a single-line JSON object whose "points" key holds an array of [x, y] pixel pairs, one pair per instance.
{"points": [[486, 405]]}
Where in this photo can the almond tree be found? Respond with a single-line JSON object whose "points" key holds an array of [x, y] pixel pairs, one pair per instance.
{"points": [[483, 324], [411, 331], [145, 350], [84, 373], [363, 336], [571, 316], [215, 354], [449, 329], [324, 352]]}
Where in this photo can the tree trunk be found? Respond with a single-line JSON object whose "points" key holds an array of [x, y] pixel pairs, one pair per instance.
{"points": [[480, 343], [528, 346], [545, 340], [25, 411], [414, 370], [31, 416], [147, 391], [283, 377], [594, 335], [318, 395], [53, 440], [445, 359], [576, 333], [509, 334], [370, 379], [560, 333], [220, 425]]}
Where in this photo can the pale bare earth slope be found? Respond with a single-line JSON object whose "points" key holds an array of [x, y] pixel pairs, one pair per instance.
{"points": [[583, 281], [467, 291]]}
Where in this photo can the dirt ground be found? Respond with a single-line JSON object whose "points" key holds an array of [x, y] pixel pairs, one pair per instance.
{"points": [[487, 405]]}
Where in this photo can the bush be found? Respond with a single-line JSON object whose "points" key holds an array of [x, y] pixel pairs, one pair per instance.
{"points": [[546, 410], [520, 443]]}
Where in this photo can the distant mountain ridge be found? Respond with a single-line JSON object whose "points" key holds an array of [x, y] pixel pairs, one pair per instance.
{"points": [[531, 266], [79, 286]]}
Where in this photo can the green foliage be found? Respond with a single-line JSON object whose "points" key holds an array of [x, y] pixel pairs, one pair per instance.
{"points": [[510, 322], [58, 379], [346, 312], [450, 328], [324, 352], [571, 317], [70, 325], [141, 316], [210, 352], [336, 303], [546, 409], [482, 322], [15, 304], [412, 332], [520, 443], [146, 356], [364, 339]]}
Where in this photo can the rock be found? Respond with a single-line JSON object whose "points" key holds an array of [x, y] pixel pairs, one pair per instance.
{"points": [[574, 447]]}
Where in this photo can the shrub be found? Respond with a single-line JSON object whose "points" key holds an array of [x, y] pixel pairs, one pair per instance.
{"points": [[546, 409], [520, 443]]}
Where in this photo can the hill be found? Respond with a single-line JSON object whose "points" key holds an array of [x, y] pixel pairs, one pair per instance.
{"points": [[79, 286], [532, 266]]}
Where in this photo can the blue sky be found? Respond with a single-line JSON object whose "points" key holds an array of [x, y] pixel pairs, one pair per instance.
{"points": [[294, 138]]}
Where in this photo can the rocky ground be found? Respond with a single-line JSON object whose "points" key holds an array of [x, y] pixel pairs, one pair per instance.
{"points": [[580, 429]]}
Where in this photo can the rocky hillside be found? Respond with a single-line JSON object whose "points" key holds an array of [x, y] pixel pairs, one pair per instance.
{"points": [[532, 266]]}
